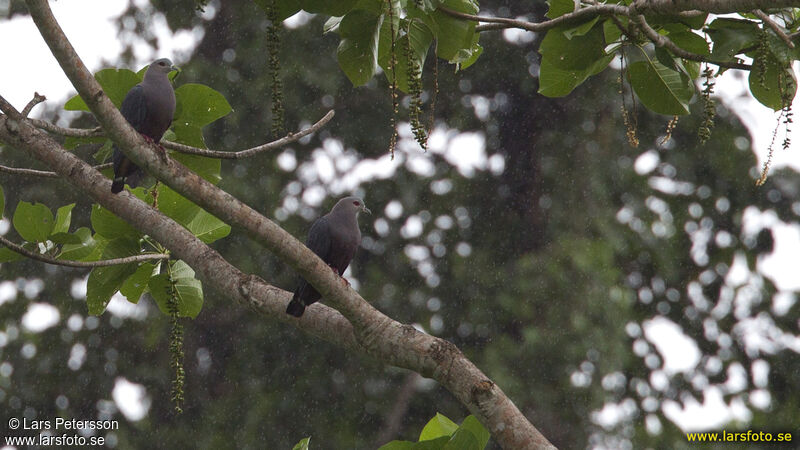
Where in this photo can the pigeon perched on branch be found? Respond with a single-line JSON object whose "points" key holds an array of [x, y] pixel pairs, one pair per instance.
{"points": [[148, 107], [334, 237]]}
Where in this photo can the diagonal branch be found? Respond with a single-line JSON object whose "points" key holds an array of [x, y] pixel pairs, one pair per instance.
{"points": [[775, 27], [372, 333], [82, 264]]}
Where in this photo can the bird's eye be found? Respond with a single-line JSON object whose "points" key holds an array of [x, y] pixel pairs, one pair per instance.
{"points": [[357, 203], [162, 63]]}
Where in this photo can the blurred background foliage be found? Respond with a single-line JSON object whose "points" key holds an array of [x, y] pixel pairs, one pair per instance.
{"points": [[543, 254]]}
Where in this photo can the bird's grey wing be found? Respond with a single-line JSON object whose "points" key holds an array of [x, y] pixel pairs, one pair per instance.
{"points": [[134, 107], [319, 238]]}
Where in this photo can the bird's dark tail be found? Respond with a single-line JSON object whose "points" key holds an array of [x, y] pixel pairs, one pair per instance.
{"points": [[295, 308], [117, 185]]}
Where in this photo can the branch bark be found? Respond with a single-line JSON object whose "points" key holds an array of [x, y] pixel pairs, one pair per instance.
{"points": [[365, 329], [82, 264]]}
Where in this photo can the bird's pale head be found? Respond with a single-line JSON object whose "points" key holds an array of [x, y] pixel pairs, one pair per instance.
{"points": [[163, 65], [352, 204]]}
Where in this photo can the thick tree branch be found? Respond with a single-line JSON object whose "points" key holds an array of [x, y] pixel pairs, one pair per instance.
{"points": [[711, 6], [82, 264], [371, 333]]}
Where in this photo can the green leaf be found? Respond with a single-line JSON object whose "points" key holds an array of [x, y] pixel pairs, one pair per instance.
{"points": [[730, 36], [197, 106], [134, 286], [328, 7], [34, 222], [190, 290], [777, 80], [303, 444], [556, 82], [65, 238], [358, 48], [691, 42], [559, 8], [578, 53], [660, 88], [104, 153], [477, 429], [582, 29], [8, 255], [105, 281], [115, 83], [78, 251], [462, 439], [208, 168], [611, 32], [201, 223], [108, 225], [63, 218], [397, 445], [454, 35], [438, 426]]}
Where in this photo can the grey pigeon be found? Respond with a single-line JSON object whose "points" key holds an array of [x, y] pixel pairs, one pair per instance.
{"points": [[334, 237], [149, 108]]}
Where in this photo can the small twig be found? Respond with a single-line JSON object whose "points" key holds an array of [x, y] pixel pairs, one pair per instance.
{"points": [[182, 148], [775, 27], [581, 14], [82, 264], [42, 173], [34, 101], [288, 139]]}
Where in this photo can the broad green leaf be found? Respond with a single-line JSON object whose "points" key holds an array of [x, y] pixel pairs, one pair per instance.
{"points": [[431, 444], [477, 429], [578, 53], [358, 48], [108, 225], [611, 32], [582, 29], [556, 82], [208, 168], [303, 444], [438, 426], [730, 36], [660, 88], [782, 52], [328, 7], [559, 8], [691, 42], [777, 81], [189, 289], [454, 35], [462, 439], [202, 224], [115, 83], [197, 106], [105, 281], [134, 286], [73, 142], [65, 238], [397, 445], [103, 154], [474, 54], [34, 222], [77, 252], [8, 255], [63, 218]]}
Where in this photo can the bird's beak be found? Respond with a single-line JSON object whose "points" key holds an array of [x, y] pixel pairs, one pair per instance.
{"points": [[366, 210], [174, 68]]}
